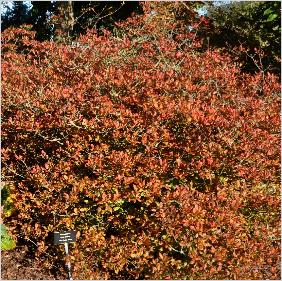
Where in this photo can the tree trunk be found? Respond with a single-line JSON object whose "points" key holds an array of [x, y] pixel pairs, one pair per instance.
{"points": [[64, 21]]}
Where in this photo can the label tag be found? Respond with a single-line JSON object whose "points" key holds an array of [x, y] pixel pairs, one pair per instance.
{"points": [[64, 237]]}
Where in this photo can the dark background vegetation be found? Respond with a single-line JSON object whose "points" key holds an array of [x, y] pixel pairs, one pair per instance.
{"points": [[254, 25]]}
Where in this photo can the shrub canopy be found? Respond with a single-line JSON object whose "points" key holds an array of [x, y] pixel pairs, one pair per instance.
{"points": [[164, 159]]}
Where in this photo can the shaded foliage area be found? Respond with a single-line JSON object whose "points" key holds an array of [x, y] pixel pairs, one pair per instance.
{"points": [[102, 15], [251, 25], [249, 31], [45, 15]]}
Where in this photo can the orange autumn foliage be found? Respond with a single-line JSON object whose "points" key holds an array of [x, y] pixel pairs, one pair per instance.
{"points": [[165, 159]]}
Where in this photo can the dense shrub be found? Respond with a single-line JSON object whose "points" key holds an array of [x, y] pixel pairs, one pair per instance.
{"points": [[165, 160]]}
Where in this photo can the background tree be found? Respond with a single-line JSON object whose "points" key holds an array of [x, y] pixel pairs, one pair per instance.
{"points": [[253, 25], [98, 15], [63, 20], [67, 18], [41, 12], [16, 15]]}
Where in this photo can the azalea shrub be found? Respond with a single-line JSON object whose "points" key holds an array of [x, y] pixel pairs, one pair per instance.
{"points": [[166, 160]]}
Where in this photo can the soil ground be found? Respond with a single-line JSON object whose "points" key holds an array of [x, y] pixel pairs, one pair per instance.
{"points": [[17, 265]]}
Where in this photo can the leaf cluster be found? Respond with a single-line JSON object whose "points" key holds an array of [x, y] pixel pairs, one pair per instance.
{"points": [[160, 156]]}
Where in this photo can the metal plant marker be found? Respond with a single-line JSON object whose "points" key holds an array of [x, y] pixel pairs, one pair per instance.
{"points": [[65, 237]]}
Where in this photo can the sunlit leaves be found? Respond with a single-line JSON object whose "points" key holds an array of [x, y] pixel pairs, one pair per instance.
{"points": [[151, 150]]}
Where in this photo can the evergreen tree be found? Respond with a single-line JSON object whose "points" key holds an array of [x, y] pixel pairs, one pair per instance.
{"points": [[15, 16]]}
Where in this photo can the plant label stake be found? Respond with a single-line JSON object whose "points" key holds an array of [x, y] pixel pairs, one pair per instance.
{"points": [[65, 237]]}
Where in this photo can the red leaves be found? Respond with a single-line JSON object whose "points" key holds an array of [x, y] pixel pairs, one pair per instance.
{"points": [[220, 232], [162, 148]]}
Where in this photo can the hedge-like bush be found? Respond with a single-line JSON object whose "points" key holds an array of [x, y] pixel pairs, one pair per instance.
{"points": [[164, 159]]}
